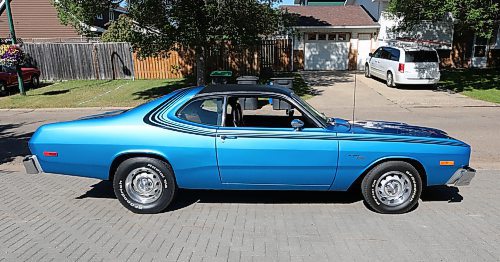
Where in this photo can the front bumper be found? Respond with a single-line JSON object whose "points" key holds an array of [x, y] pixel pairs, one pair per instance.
{"points": [[462, 177], [32, 165]]}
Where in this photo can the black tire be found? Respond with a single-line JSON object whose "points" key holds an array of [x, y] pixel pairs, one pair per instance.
{"points": [[35, 81], [3, 89], [160, 175], [373, 192], [390, 80], [367, 71]]}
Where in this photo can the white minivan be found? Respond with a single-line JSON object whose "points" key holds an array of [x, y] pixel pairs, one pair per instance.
{"points": [[406, 66]]}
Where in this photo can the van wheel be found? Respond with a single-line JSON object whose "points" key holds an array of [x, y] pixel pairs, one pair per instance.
{"points": [[390, 80], [144, 185], [367, 71]]}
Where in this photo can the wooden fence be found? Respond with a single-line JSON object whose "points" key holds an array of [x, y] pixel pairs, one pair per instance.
{"points": [[68, 61], [274, 55]]}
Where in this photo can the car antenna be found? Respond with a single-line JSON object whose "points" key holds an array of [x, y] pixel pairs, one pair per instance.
{"points": [[354, 100]]}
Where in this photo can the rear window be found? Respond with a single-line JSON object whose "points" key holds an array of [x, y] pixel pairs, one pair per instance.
{"points": [[421, 56]]}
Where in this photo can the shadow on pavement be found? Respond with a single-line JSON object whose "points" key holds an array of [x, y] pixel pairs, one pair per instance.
{"points": [[442, 193], [326, 78], [13, 144], [185, 198]]}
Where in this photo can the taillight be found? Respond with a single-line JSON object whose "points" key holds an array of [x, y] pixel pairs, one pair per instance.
{"points": [[401, 68]]}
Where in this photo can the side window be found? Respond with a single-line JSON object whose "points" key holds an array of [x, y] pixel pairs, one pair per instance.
{"points": [[262, 111], [377, 53], [385, 54], [394, 54], [203, 111]]}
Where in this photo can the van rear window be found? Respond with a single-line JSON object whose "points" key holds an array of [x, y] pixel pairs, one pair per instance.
{"points": [[421, 56]]}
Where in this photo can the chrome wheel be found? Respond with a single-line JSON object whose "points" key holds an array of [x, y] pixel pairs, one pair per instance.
{"points": [[393, 188], [389, 79], [143, 185]]}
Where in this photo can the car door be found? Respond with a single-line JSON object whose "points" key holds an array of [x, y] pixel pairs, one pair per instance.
{"points": [[375, 63], [265, 150]]}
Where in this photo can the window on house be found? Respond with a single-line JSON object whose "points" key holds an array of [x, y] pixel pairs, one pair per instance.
{"points": [[99, 16], [311, 36], [342, 37], [321, 36], [111, 15], [332, 37]]}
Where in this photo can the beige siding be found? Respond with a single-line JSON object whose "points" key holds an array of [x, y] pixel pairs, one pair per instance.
{"points": [[35, 19]]}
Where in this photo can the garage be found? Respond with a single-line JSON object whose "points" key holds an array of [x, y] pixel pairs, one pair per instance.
{"points": [[326, 51], [331, 37]]}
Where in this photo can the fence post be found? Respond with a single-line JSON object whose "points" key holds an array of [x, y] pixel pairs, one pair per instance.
{"points": [[94, 59]]}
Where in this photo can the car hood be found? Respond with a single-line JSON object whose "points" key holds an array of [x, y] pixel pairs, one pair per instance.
{"points": [[392, 128]]}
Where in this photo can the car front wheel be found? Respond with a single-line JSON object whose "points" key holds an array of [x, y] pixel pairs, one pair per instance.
{"points": [[144, 185], [392, 187]]}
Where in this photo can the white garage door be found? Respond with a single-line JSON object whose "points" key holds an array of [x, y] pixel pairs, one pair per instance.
{"points": [[326, 55]]}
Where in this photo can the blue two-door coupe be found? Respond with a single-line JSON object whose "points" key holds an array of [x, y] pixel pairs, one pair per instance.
{"points": [[248, 137]]}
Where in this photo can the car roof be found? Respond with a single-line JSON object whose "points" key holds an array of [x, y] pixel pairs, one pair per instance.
{"points": [[233, 88]]}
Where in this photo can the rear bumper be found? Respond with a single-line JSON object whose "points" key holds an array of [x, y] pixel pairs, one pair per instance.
{"points": [[462, 177], [403, 80], [32, 165]]}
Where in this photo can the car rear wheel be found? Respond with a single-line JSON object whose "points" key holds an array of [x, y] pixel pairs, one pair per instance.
{"points": [[144, 185], [367, 71], [3, 88], [392, 187], [35, 81], [390, 80]]}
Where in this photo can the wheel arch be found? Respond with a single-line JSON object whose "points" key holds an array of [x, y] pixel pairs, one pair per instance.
{"points": [[118, 159], [412, 161]]}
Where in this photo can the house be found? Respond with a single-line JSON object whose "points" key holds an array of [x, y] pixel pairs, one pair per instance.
{"points": [[332, 37], [37, 20], [473, 52]]}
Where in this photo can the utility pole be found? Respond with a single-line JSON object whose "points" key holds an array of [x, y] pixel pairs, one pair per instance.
{"points": [[14, 41]]}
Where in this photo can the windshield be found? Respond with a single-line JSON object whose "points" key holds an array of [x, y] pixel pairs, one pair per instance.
{"points": [[311, 109]]}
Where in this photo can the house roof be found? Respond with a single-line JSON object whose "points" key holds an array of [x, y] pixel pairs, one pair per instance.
{"points": [[331, 16]]}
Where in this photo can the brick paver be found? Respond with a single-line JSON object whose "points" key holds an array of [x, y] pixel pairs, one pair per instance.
{"points": [[61, 218]]}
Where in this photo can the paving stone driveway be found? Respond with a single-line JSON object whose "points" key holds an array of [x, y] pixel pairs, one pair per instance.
{"points": [[59, 218]]}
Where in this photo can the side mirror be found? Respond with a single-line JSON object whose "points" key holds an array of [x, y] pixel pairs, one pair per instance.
{"points": [[370, 54], [297, 124]]}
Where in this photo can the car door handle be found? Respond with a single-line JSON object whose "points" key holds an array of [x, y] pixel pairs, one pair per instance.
{"points": [[224, 137]]}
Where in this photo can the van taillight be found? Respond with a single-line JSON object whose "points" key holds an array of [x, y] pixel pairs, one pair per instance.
{"points": [[401, 68]]}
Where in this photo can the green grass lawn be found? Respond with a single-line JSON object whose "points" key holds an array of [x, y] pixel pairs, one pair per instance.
{"points": [[483, 84], [108, 93], [93, 93]]}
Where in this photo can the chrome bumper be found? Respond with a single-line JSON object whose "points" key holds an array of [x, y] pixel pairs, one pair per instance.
{"points": [[462, 177], [32, 165]]}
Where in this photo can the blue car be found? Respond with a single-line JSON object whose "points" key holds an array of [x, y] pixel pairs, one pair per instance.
{"points": [[248, 137]]}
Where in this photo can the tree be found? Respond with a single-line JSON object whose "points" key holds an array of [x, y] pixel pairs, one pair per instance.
{"points": [[471, 17], [479, 16], [160, 25]]}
